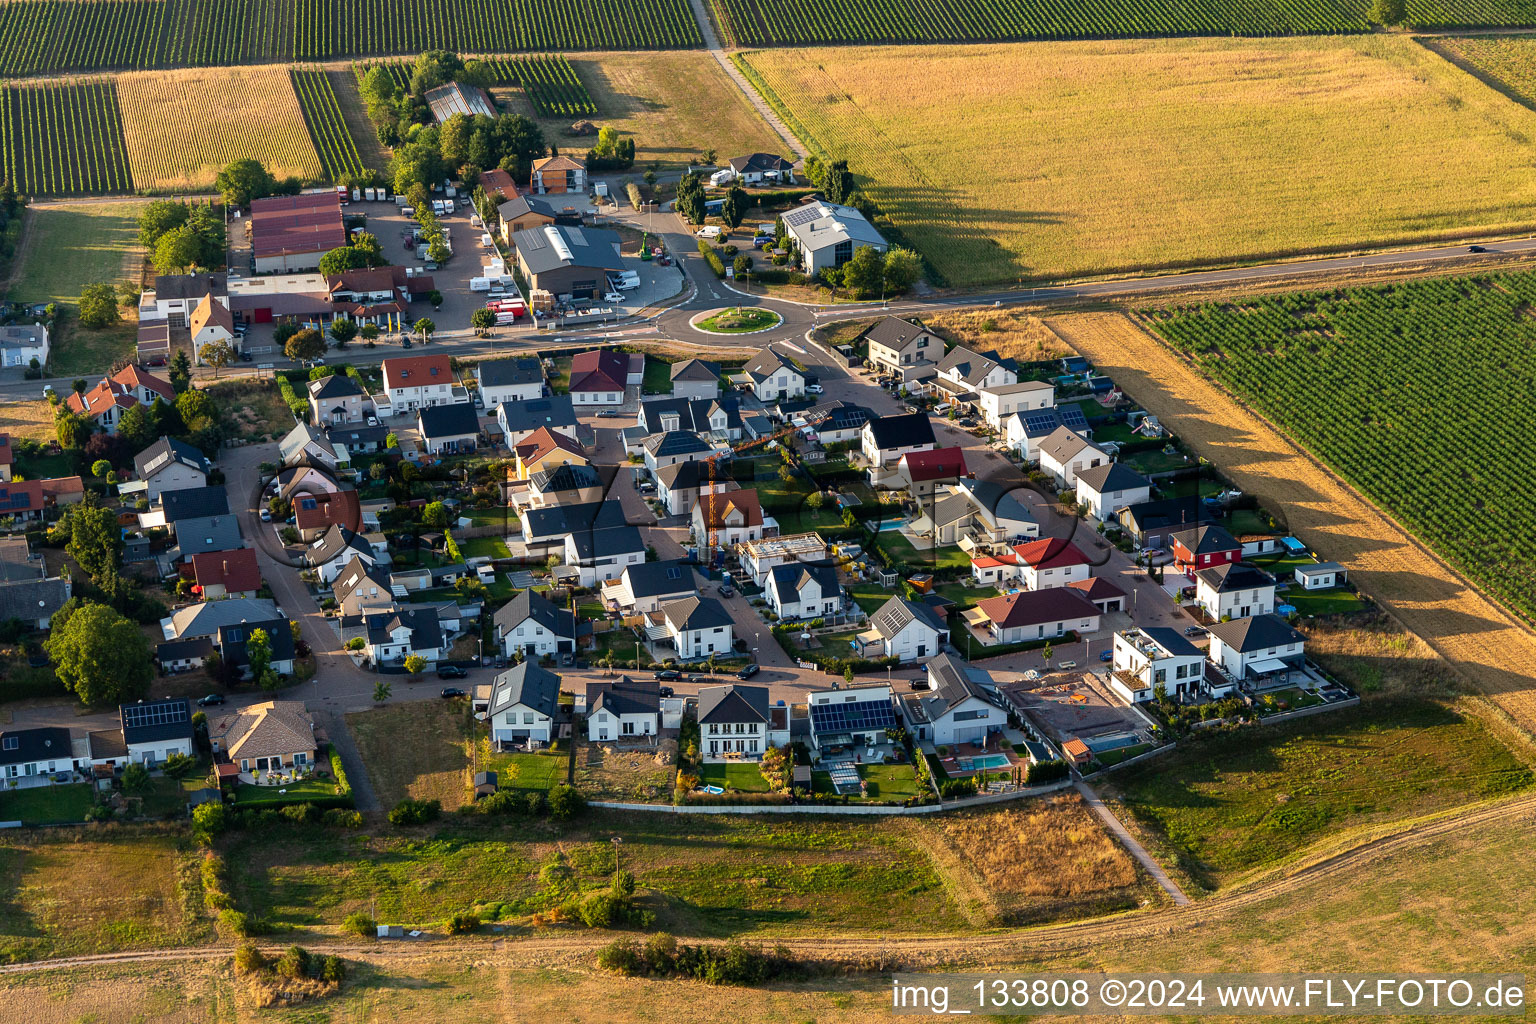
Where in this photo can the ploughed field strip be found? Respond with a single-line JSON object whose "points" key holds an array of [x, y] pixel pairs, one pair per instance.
{"points": [[42, 36]]}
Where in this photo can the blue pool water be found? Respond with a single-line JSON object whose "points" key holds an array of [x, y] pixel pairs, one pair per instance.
{"points": [[984, 763]]}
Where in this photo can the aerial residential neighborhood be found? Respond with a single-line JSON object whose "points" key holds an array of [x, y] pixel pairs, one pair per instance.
{"points": [[729, 520]]}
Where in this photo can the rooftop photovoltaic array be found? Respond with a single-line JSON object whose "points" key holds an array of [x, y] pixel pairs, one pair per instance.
{"points": [[139, 716], [853, 716]]}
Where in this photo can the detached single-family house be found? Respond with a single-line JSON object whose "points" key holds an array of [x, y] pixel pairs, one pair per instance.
{"points": [[1149, 524], [1065, 453], [531, 623], [1027, 429], [681, 485], [545, 449], [838, 422], [1033, 615], [524, 702], [696, 626], [647, 586], [728, 519], [515, 379], [797, 591], [558, 174], [170, 465], [997, 403], [1203, 547], [662, 450], [733, 723], [568, 483], [773, 376], [22, 343], [363, 587], [718, 418], [1234, 590], [36, 753], [1149, 657], [754, 169], [211, 322], [417, 382], [622, 710], [153, 730], [899, 346], [336, 550], [448, 429], [1255, 647], [308, 445], [336, 400], [224, 574], [389, 637], [887, 438], [904, 630], [1320, 576], [827, 234], [922, 473], [103, 405], [957, 708], [522, 213], [269, 736], [1051, 562], [520, 418], [1108, 488], [598, 377], [856, 716], [962, 373], [695, 378], [594, 537]]}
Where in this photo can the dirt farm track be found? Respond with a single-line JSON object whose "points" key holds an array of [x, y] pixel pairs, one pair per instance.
{"points": [[1477, 636]]}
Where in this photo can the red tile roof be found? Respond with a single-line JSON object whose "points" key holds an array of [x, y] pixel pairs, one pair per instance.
{"points": [[543, 442], [62, 486], [320, 511], [600, 369], [21, 496], [1050, 553], [938, 464], [498, 183], [1037, 607], [417, 371], [713, 508], [117, 390], [6, 455], [236, 570], [1097, 588], [297, 224]]}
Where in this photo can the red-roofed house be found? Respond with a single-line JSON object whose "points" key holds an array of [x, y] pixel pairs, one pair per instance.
{"points": [[1032, 615], [219, 574], [547, 449], [419, 382], [995, 570], [1051, 562], [921, 472], [1104, 594], [598, 377], [313, 514], [22, 499], [63, 490], [7, 457], [730, 518], [498, 185], [112, 396]]}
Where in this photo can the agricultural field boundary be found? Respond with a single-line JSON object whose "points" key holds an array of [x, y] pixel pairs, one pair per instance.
{"points": [[1479, 639]]}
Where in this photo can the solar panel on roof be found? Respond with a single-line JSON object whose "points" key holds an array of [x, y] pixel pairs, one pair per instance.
{"points": [[853, 716], [139, 716], [674, 573]]}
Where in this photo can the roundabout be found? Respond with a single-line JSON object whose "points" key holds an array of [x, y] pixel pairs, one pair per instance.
{"points": [[736, 320]]}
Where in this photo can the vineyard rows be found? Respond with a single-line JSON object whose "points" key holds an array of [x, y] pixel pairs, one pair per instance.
{"points": [[43, 36], [550, 83], [1421, 395], [63, 138], [327, 126]]}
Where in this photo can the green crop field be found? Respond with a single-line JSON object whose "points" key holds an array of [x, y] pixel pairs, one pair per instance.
{"points": [[1421, 395], [1077, 159], [43, 36], [327, 126], [1508, 63], [549, 82], [63, 138]]}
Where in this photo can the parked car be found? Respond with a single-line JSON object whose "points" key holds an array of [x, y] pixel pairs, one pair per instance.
{"points": [[1476, 248], [452, 691], [726, 591], [47, 390], [210, 700], [1194, 631], [917, 684], [1106, 655], [608, 414], [670, 675], [749, 671], [613, 297], [1066, 665], [665, 691], [450, 672], [266, 515], [698, 680], [814, 389]]}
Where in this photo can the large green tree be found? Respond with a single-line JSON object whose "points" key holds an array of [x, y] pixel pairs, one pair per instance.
{"points": [[181, 371], [864, 274], [217, 354], [690, 199], [244, 180], [306, 345], [100, 656], [137, 427], [198, 412], [160, 216], [902, 269], [98, 305], [95, 540], [342, 259], [734, 210]]}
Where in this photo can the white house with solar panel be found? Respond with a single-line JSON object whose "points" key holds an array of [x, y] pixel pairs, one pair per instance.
{"points": [[849, 721], [827, 235], [904, 630], [153, 730]]}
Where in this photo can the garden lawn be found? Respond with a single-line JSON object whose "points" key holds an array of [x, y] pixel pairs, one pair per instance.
{"points": [[887, 783], [46, 805], [658, 377], [965, 596], [45, 467], [746, 778], [901, 550], [525, 771], [1233, 802], [1332, 601], [287, 793], [483, 547], [1117, 157]]}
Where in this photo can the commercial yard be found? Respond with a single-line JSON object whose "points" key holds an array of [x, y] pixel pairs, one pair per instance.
{"points": [[1234, 802], [1090, 158]]}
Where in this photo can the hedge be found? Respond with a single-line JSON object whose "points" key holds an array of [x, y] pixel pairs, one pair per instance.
{"points": [[712, 258], [299, 406], [1069, 637], [792, 195]]}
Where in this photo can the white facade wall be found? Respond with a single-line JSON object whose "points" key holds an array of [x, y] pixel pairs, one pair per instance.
{"points": [[1237, 662], [177, 476], [605, 725], [1102, 506], [1236, 604], [520, 722]]}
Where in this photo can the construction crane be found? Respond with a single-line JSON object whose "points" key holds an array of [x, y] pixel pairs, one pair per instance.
{"points": [[712, 518]]}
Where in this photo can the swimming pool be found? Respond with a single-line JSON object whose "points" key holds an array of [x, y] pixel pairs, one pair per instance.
{"points": [[985, 762], [894, 524]]}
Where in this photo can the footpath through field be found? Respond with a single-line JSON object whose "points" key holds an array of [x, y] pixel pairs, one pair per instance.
{"points": [[712, 44], [1473, 633]]}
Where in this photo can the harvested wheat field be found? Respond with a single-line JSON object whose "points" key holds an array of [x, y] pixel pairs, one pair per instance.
{"points": [[182, 127], [1124, 157], [1007, 333], [1474, 634], [1038, 860], [27, 419]]}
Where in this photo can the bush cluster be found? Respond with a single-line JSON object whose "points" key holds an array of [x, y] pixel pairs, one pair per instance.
{"points": [[415, 812], [662, 956]]}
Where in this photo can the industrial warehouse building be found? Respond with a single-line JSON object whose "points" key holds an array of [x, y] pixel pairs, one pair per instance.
{"points": [[293, 232], [568, 262]]}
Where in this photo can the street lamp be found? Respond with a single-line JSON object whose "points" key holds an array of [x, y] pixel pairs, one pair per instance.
{"points": [[617, 842]]}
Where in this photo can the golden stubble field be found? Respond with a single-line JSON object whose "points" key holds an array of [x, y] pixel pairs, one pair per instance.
{"points": [[183, 127], [1432, 601], [1059, 160]]}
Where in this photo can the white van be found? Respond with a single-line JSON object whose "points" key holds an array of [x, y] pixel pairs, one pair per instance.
{"points": [[942, 408]]}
